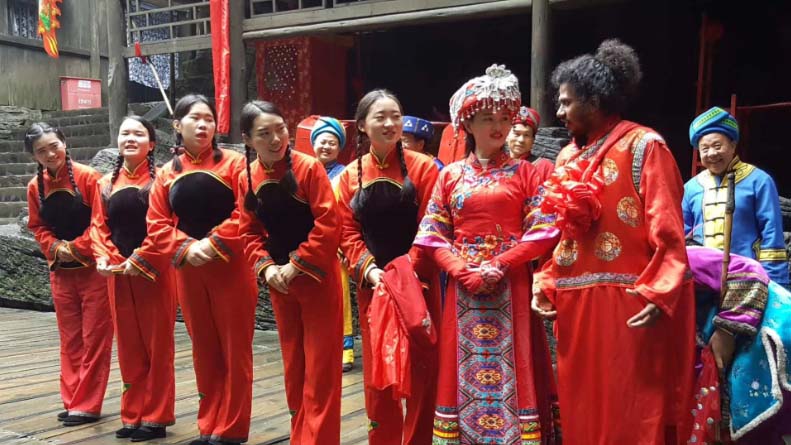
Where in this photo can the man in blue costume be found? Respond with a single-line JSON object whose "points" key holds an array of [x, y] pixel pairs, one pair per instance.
{"points": [[417, 134], [757, 221]]}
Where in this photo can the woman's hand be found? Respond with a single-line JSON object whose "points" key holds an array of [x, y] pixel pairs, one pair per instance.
{"points": [[103, 268], [374, 276], [129, 269], [199, 253], [275, 280], [288, 272]]}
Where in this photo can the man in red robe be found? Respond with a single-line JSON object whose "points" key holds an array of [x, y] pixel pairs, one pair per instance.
{"points": [[618, 280]]}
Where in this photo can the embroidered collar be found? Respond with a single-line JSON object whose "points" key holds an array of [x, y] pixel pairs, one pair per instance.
{"points": [[267, 170], [136, 172], [197, 159], [496, 161], [58, 174], [381, 164], [742, 170]]}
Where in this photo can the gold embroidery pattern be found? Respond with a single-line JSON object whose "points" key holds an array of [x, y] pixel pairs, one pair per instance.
{"points": [[609, 171], [608, 246], [566, 253], [628, 212], [491, 422]]}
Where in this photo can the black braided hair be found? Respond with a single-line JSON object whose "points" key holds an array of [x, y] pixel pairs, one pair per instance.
{"points": [[33, 133], [119, 161], [250, 112], [70, 170], [182, 108], [152, 173], [360, 197], [363, 108], [108, 189]]}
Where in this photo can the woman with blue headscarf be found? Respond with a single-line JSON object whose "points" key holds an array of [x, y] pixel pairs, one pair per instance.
{"points": [[328, 138], [757, 221]]}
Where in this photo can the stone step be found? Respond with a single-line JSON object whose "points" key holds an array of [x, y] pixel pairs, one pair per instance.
{"points": [[71, 113], [15, 180], [78, 154], [12, 146], [88, 141], [11, 209], [94, 129], [11, 220], [8, 194], [18, 168], [66, 121]]}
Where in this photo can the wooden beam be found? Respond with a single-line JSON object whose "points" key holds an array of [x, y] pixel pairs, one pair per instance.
{"points": [[117, 71], [24, 42], [239, 71], [96, 62], [170, 46], [378, 17], [539, 61]]}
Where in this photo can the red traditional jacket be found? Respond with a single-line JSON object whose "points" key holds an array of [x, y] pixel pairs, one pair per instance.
{"points": [[303, 227], [63, 222], [197, 202], [118, 227], [422, 172], [634, 242]]}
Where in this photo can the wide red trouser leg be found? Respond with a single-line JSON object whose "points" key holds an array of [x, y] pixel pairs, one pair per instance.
{"points": [[218, 302], [310, 320], [86, 333], [144, 314], [388, 424]]}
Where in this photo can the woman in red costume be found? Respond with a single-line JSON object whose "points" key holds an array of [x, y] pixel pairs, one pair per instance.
{"points": [[194, 221], [618, 281], [521, 138], [142, 291], [290, 228], [382, 197], [59, 199], [483, 226]]}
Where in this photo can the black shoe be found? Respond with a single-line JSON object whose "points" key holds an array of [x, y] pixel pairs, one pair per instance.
{"points": [[78, 420], [124, 432], [147, 433], [347, 367], [199, 442], [62, 415]]}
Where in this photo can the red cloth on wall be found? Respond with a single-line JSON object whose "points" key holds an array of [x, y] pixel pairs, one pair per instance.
{"points": [[221, 63]]}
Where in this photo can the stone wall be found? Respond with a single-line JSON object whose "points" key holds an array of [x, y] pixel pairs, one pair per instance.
{"points": [[13, 120]]}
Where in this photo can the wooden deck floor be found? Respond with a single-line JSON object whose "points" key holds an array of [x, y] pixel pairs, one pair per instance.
{"points": [[29, 396]]}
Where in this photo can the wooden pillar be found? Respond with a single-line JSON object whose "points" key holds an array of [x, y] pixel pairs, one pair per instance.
{"points": [[4, 27], [238, 70], [96, 60], [117, 72], [539, 63]]}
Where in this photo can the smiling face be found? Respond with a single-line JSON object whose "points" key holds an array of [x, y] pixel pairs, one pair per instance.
{"points": [[716, 152], [50, 151], [520, 140], [489, 128], [134, 142], [326, 147], [197, 127], [383, 123], [268, 137]]}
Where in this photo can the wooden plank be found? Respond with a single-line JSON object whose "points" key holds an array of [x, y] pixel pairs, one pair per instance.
{"points": [[30, 398]]}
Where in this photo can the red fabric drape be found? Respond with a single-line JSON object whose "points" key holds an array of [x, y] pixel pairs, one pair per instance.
{"points": [[221, 62], [283, 69]]}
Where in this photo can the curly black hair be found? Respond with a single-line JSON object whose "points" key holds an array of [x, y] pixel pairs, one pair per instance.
{"points": [[610, 76]]}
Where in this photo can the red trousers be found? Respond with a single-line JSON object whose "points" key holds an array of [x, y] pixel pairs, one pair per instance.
{"points": [[309, 323], [86, 338], [218, 302], [144, 314], [387, 423]]}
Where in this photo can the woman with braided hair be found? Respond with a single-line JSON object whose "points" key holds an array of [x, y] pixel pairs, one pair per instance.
{"points": [[59, 199], [193, 220], [290, 228], [382, 197], [142, 290]]}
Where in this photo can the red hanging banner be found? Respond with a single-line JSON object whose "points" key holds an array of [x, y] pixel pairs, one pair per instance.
{"points": [[221, 61], [48, 24]]}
